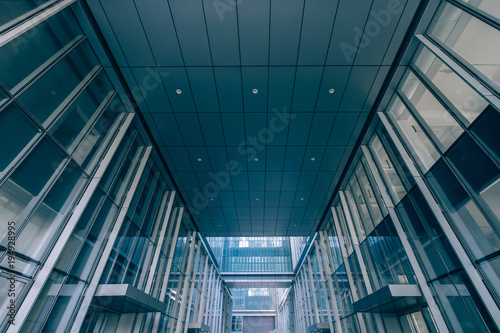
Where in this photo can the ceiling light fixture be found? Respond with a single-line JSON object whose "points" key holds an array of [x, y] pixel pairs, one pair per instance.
{"points": [[256, 159], [294, 225], [211, 199], [199, 159], [257, 199], [331, 91], [301, 199], [178, 91], [255, 91], [313, 159]]}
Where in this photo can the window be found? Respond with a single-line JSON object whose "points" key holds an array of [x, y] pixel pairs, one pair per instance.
{"points": [[475, 41]]}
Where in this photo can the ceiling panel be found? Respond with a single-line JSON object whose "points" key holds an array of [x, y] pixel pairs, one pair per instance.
{"points": [[157, 21], [189, 22], [253, 24], [318, 67]]}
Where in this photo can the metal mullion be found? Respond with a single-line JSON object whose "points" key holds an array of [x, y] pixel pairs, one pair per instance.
{"points": [[436, 92], [187, 252], [307, 297], [168, 197], [482, 206], [91, 122], [193, 284], [107, 139], [36, 201], [68, 101], [362, 189], [357, 249], [185, 282], [328, 278], [326, 292], [94, 283], [10, 34], [313, 291], [471, 270], [438, 145], [78, 210], [358, 205], [477, 13], [14, 22], [465, 66], [472, 81], [149, 198], [45, 67], [201, 292], [378, 199]]}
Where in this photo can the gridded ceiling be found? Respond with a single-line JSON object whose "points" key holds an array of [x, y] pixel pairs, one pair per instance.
{"points": [[255, 104]]}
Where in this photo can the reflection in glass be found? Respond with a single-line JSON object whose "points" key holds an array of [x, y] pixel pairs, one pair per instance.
{"points": [[475, 41], [460, 94], [444, 127], [422, 148]]}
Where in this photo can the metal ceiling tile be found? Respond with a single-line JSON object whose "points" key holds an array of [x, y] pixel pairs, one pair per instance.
{"points": [[358, 87], [189, 22], [317, 24], [342, 128], [286, 18], [176, 83], [334, 77], [202, 84], [255, 88], [222, 32], [306, 88], [157, 21], [211, 126], [228, 80], [253, 24]]}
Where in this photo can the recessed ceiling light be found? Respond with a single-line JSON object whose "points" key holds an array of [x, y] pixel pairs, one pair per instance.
{"points": [[302, 199], [331, 91], [294, 225], [313, 158], [199, 159], [211, 199], [257, 199], [178, 91], [255, 91], [256, 159], [220, 225]]}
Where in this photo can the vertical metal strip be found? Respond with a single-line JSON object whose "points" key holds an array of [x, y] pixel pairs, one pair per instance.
{"points": [[94, 283]]}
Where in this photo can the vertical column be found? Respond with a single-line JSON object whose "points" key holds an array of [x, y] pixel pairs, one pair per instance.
{"points": [[159, 245], [328, 264], [307, 298], [185, 285], [89, 294], [44, 273], [206, 312], [201, 303], [313, 291], [328, 293], [355, 242]]}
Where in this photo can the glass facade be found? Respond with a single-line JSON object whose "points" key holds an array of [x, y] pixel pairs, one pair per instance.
{"points": [[87, 200], [253, 254], [96, 238]]}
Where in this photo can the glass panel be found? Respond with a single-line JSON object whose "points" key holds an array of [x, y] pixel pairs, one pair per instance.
{"points": [[7, 284], [12, 9], [488, 6], [16, 130], [465, 215], [23, 55], [463, 97], [64, 306], [49, 217], [74, 123], [88, 151], [491, 270], [47, 93], [480, 172], [440, 122], [27, 182], [474, 40], [42, 307], [418, 142], [486, 129]]}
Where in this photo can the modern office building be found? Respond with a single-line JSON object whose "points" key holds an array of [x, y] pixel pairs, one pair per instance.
{"points": [[250, 166]]}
